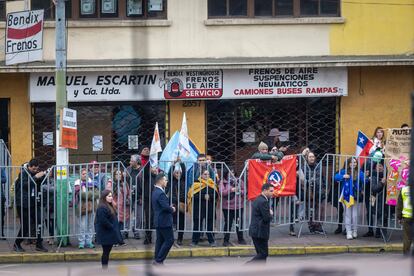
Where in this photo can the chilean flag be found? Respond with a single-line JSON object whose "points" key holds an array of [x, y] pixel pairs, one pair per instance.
{"points": [[363, 146]]}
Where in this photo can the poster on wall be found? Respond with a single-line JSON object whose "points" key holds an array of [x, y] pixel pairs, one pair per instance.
{"points": [[47, 138], [397, 154], [24, 37], [97, 143]]}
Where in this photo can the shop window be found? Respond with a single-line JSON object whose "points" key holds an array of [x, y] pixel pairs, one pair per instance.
{"points": [[106, 9], [235, 128], [272, 8], [49, 8], [114, 123]]}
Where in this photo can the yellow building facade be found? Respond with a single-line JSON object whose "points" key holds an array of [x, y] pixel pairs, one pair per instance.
{"points": [[372, 42]]}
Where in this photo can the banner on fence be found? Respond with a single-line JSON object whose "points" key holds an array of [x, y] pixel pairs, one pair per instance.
{"points": [[282, 175], [397, 153]]}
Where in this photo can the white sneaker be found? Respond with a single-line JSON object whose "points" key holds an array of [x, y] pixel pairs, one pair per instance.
{"points": [[349, 236], [354, 234]]}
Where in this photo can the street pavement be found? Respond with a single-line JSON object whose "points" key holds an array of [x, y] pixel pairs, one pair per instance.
{"points": [[386, 264], [279, 237]]}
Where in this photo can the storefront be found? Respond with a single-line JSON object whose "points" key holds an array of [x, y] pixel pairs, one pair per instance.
{"points": [[229, 111]]}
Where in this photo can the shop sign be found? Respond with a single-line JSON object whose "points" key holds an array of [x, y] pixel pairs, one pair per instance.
{"points": [[24, 37], [69, 129], [194, 84]]}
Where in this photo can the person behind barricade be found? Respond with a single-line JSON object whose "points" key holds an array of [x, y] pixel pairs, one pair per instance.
{"points": [[194, 173], [315, 194], [297, 207], [27, 187], [176, 190], [107, 226], [263, 153], [121, 197], [145, 152], [232, 201], [352, 183], [203, 197], [405, 217], [274, 135], [49, 193], [145, 189], [379, 208], [133, 171], [86, 197], [97, 176], [379, 140], [3, 185]]}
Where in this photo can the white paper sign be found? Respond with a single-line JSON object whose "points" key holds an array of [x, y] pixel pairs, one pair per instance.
{"points": [[24, 37], [132, 142], [155, 5], [97, 143], [47, 138], [249, 137]]}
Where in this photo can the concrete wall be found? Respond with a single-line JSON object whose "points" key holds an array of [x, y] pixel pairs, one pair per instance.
{"points": [[378, 96], [15, 87]]}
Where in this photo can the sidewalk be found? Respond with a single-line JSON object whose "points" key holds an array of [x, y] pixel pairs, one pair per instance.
{"points": [[280, 244]]}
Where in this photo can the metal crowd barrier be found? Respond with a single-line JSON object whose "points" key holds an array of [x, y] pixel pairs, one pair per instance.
{"points": [[208, 196]]}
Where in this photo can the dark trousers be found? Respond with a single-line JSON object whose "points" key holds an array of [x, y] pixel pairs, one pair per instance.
{"points": [[203, 211], [148, 219], [407, 238], [165, 239], [229, 217], [340, 209], [262, 249], [180, 224], [3, 213], [28, 225], [105, 255]]}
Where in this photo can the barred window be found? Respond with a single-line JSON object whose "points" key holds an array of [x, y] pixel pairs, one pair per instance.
{"points": [[106, 9], [236, 127], [272, 8], [124, 129]]}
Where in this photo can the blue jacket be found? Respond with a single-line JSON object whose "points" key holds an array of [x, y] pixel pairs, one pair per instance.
{"points": [[107, 227], [357, 184], [163, 217]]}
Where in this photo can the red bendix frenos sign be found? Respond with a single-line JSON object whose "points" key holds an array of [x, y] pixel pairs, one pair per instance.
{"points": [[194, 84], [24, 37]]}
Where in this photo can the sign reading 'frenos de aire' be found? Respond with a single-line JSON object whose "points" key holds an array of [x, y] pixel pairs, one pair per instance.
{"points": [[24, 37], [194, 84]]}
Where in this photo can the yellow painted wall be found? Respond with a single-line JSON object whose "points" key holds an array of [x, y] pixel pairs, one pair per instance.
{"points": [[15, 87], [372, 29], [196, 121], [381, 98]]}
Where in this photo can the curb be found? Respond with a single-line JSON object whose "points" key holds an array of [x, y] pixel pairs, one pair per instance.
{"points": [[242, 251]]}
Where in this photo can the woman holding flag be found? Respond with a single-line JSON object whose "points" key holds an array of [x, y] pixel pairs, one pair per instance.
{"points": [[203, 196], [352, 184]]}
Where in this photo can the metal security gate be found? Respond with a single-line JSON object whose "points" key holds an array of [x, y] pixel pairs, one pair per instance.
{"points": [[310, 122], [124, 129]]}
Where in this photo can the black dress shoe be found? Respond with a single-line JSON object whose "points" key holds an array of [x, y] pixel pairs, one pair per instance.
{"points": [[18, 248], [41, 248], [338, 230]]}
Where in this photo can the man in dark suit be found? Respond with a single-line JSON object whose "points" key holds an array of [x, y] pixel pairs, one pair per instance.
{"points": [[163, 219], [260, 224]]}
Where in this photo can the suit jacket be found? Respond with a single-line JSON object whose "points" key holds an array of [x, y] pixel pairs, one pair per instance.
{"points": [[261, 217], [163, 217]]}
